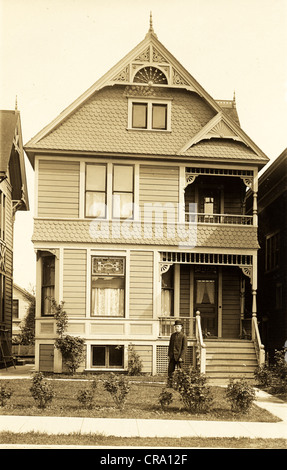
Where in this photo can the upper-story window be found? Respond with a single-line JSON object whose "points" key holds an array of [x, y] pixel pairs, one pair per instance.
{"points": [[149, 115], [272, 251], [96, 190], [115, 197]]}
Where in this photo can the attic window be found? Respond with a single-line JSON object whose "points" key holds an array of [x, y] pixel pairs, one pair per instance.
{"points": [[149, 115], [151, 76]]}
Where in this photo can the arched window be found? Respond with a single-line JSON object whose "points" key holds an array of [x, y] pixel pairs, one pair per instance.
{"points": [[151, 76]]}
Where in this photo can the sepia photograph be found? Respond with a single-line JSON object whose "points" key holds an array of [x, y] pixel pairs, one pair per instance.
{"points": [[143, 227]]}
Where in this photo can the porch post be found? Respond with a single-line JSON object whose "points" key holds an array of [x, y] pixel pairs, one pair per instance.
{"points": [[255, 191], [176, 290], [254, 292]]}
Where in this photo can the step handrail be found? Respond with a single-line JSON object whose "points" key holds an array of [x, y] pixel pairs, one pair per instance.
{"points": [[259, 347], [200, 344]]}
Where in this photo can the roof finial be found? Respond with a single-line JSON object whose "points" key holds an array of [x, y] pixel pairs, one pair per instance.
{"points": [[16, 104], [234, 100], [150, 23]]}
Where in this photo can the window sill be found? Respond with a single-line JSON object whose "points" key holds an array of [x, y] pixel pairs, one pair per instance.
{"points": [[138, 129]]}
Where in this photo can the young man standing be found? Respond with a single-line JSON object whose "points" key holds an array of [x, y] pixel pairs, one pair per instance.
{"points": [[177, 348]]}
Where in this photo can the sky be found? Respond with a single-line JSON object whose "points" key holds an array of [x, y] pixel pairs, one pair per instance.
{"points": [[52, 51]]}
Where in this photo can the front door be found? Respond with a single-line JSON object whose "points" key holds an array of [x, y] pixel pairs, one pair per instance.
{"points": [[206, 303]]}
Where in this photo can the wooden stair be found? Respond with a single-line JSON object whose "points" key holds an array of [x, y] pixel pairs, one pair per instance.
{"points": [[226, 359]]}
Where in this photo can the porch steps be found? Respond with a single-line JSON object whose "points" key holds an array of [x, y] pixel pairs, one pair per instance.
{"points": [[226, 359]]}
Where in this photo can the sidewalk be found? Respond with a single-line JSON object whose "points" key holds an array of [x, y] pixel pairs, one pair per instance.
{"points": [[147, 427]]}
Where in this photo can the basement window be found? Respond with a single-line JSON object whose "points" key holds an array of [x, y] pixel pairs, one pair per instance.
{"points": [[108, 356]]}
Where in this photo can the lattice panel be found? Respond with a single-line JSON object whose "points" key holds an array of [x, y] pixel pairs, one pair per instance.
{"points": [[162, 359]]}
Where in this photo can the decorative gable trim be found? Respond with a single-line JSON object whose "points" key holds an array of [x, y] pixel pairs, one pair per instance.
{"points": [[223, 128], [150, 52]]}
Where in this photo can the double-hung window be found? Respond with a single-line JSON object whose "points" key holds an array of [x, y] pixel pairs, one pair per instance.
{"points": [[123, 191], [149, 115], [48, 284], [108, 286], [96, 190], [109, 190]]}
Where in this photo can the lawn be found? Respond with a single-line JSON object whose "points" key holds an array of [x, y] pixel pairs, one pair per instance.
{"points": [[142, 402]]}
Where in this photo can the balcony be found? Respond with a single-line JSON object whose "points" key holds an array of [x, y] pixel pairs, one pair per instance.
{"points": [[228, 219]]}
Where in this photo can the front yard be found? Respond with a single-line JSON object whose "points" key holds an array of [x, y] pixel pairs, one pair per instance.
{"points": [[142, 402]]}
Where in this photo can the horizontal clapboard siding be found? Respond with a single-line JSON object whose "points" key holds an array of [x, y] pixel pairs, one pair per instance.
{"points": [[160, 186], [74, 282], [145, 354], [141, 284], [230, 303], [58, 189]]}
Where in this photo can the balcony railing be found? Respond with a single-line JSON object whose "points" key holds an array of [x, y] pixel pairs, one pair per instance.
{"points": [[166, 326], [232, 219]]}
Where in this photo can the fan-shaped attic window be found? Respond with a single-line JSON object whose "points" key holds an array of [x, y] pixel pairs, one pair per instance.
{"points": [[151, 76]]}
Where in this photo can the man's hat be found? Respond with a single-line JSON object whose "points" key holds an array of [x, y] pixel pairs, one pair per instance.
{"points": [[178, 322]]}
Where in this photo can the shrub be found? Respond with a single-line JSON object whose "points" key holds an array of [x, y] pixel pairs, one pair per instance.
{"points": [[72, 349], [118, 388], [41, 391], [5, 394], [165, 398], [241, 395], [86, 397], [134, 362], [194, 392], [274, 376]]}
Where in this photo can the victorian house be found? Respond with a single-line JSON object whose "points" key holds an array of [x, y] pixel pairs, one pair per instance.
{"points": [[140, 220], [272, 257], [13, 197]]}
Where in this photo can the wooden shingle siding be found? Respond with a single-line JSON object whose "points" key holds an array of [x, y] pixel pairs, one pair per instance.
{"points": [[158, 185], [141, 284], [74, 282], [58, 189], [230, 302]]}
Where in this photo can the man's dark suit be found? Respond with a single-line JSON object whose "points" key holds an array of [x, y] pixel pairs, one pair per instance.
{"points": [[176, 351]]}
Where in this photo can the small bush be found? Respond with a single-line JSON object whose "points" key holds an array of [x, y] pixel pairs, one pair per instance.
{"points": [[72, 349], [41, 391], [86, 397], [165, 398], [194, 392], [5, 394], [134, 362], [274, 376], [118, 387], [241, 395]]}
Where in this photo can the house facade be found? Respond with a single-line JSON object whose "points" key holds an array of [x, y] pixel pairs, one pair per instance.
{"points": [[20, 303], [13, 197], [140, 218], [272, 272]]}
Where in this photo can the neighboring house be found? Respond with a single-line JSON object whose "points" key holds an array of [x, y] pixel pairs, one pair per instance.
{"points": [[272, 277], [13, 197], [140, 219], [21, 302]]}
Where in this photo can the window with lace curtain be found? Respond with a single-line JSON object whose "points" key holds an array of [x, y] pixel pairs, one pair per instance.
{"points": [[205, 291], [108, 286], [48, 284]]}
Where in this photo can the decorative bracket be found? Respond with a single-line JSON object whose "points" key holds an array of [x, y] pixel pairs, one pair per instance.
{"points": [[247, 271], [247, 181], [189, 179], [164, 267]]}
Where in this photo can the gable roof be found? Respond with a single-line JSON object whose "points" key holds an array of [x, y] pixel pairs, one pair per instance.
{"points": [[148, 53], [12, 161]]}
